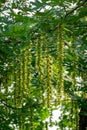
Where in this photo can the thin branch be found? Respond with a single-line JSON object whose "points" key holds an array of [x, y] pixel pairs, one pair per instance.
{"points": [[77, 6]]}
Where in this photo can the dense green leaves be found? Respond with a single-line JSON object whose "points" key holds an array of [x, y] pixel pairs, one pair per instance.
{"points": [[43, 63]]}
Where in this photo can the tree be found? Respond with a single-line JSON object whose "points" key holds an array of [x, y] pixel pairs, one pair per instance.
{"points": [[43, 56]]}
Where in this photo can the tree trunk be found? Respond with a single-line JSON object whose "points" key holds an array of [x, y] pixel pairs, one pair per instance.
{"points": [[82, 122]]}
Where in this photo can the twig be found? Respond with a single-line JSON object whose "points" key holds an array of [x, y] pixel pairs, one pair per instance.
{"points": [[77, 6]]}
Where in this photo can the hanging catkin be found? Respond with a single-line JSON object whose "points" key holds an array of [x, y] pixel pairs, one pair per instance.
{"points": [[60, 57], [15, 86], [6, 91], [21, 75], [39, 60], [76, 110], [18, 94], [48, 77], [31, 118], [25, 69], [39, 68], [21, 87], [29, 58]]}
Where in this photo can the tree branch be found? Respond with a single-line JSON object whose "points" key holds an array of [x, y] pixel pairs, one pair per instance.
{"points": [[75, 8], [79, 4]]}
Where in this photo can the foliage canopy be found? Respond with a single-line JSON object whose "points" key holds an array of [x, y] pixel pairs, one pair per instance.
{"points": [[43, 63]]}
